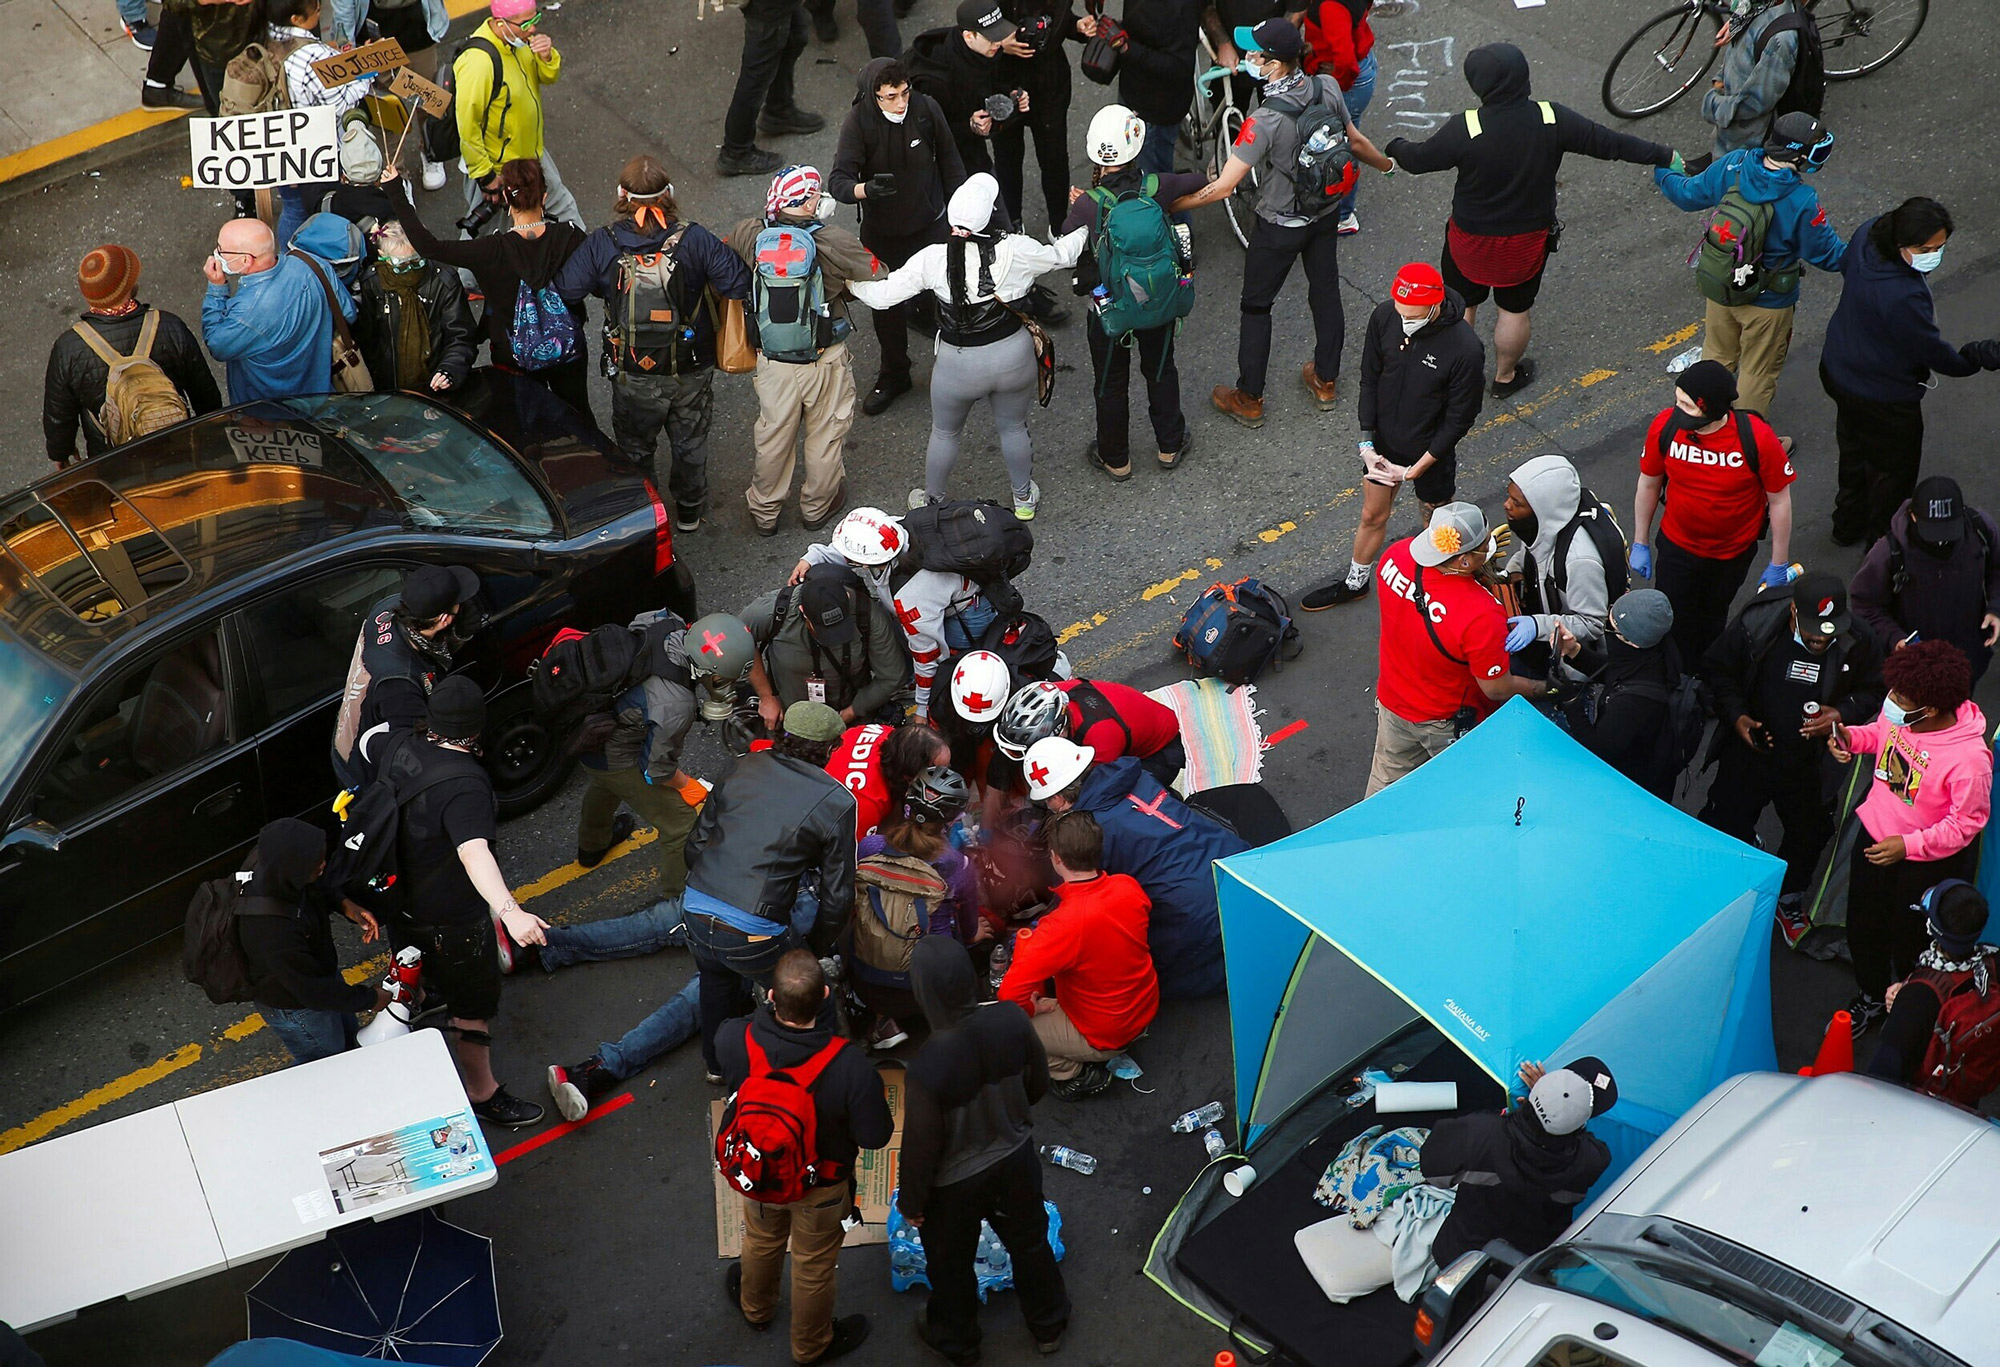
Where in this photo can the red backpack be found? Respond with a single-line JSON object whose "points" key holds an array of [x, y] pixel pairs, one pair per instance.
{"points": [[1962, 1063], [768, 1143]]}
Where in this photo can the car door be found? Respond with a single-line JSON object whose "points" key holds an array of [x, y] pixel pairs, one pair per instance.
{"points": [[297, 645], [149, 786]]}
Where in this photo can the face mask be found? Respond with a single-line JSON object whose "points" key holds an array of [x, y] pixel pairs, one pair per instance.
{"points": [[1926, 262], [1249, 68], [1680, 420], [1896, 716], [1411, 326], [827, 205], [894, 118], [517, 41], [717, 695]]}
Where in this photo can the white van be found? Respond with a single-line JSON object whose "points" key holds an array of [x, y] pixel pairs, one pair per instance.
{"points": [[1783, 1222]]}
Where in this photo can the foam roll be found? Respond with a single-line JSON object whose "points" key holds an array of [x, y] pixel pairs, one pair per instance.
{"points": [[1397, 1098]]}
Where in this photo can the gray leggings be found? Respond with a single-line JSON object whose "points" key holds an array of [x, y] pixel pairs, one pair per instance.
{"points": [[1003, 373]]}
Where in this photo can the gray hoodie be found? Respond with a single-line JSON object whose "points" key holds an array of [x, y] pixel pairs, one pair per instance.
{"points": [[655, 714], [1554, 490], [1741, 110]]}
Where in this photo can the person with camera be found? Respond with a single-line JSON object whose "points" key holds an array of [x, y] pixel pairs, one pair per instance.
{"points": [[959, 67], [898, 164], [497, 83], [403, 651], [1033, 60]]}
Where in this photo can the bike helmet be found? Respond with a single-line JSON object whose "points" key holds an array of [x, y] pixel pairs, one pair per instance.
{"points": [[979, 683], [1799, 140], [1115, 136], [1035, 712], [936, 795], [869, 536]]}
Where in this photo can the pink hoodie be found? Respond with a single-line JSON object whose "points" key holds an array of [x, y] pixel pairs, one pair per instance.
{"points": [[1934, 788]]}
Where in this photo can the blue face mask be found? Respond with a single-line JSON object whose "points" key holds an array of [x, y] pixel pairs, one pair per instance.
{"points": [[1926, 262], [1896, 716]]}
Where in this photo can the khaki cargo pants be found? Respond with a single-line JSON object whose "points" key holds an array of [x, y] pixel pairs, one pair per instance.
{"points": [[1752, 342], [811, 1228], [1401, 746], [801, 410]]}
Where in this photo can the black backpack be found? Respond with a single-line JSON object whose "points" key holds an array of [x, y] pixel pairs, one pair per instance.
{"points": [[577, 683], [1807, 90], [1899, 564], [1235, 631], [1679, 740], [1594, 518], [976, 538], [441, 133], [1094, 707], [364, 847], [1026, 643], [211, 956], [829, 668]]}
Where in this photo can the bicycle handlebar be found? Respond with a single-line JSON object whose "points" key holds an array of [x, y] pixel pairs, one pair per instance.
{"points": [[1212, 75]]}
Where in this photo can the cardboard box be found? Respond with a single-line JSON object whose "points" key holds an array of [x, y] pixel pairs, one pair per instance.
{"points": [[874, 1180]]}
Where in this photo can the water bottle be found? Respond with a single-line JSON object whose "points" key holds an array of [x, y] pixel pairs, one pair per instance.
{"points": [[1065, 1157], [1320, 141], [1003, 954], [1099, 297], [1199, 1118], [1213, 1141], [1184, 236]]}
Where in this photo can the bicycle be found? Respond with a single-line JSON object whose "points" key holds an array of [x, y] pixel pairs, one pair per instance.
{"points": [[1672, 52], [1210, 130]]}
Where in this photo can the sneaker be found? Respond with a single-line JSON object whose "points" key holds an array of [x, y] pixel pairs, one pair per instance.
{"points": [[1121, 473], [1170, 460], [622, 827], [1348, 226], [918, 498], [1247, 409], [780, 122], [573, 1089], [431, 1006], [142, 35], [1334, 594], [1024, 508], [888, 388], [505, 1109], [1793, 922], [834, 509], [825, 27], [1324, 392], [928, 1337], [749, 161], [1039, 303], [169, 97], [1054, 1345], [887, 1034], [1864, 1011], [711, 1077], [1524, 375], [433, 174], [1093, 1078], [762, 530], [687, 517], [849, 1333], [732, 1287]]}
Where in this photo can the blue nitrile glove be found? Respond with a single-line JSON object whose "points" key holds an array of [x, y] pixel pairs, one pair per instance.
{"points": [[1520, 631], [1775, 576], [1641, 561]]}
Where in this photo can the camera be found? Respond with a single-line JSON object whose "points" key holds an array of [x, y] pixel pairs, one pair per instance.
{"points": [[481, 215], [1034, 31], [999, 108]]}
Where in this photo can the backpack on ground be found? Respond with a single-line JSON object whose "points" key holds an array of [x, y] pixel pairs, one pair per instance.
{"points": [[1139, 263], [645, 326], [363, 850], [1728, 262], [138, 397], [1025, 643], [543, 332], [254, 80], [1322, 168], [579, 679], [211, 956], [976, 538], [1962, 1062], [1807, 89], [767, 1145], [894, 897], [440, 134], [1598, 522], [1235, 631], [788, 305]]}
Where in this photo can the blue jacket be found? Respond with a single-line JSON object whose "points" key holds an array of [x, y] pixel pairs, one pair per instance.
{"points": [[1168, 847], [702, 258], [1883, 342], [1799, 230], [274, 336]]}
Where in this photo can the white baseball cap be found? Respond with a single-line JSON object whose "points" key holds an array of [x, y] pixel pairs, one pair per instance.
{"points": [[1052, 764], [1455, 529]]}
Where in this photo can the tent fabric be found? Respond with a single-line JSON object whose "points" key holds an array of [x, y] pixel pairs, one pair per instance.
{"points": [[285, 1353], [1532, 904]]}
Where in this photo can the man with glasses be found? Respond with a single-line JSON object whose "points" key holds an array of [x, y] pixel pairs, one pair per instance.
{"points": [[267, 320]]}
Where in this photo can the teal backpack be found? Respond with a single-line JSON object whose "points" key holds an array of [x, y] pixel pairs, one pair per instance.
{"points": [[788, 296], [1146, 282]]}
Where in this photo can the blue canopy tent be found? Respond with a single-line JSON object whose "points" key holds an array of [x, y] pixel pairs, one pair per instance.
{"points": [[1522, 899]]}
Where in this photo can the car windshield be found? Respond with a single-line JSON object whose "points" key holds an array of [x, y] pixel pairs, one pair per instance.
{"points": [[1737, 1322], [444, 472], [31, 693]]}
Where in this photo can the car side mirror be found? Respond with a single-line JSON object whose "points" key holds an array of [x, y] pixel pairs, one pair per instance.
{"points": [[33, 834]]}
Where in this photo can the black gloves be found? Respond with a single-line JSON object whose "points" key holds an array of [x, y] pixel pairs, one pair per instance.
{"points": [[1985, 355], [882, 185]]}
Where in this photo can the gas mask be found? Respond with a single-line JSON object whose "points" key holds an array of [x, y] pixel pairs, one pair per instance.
{"points": [[715, 695]]}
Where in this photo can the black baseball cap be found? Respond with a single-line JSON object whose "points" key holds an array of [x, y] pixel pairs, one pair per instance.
{"points": [[985, 18], [457, 709], [1937, 510], [1280, 37], [433, 590], [1821, 600], [829, 611]]}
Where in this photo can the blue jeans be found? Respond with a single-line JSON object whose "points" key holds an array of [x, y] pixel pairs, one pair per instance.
{"points": [[618, 937], [308, 1034], [1156, 155], [1357, 101], [730, 961], [962, 629], [673, 1025], [133, 12]]}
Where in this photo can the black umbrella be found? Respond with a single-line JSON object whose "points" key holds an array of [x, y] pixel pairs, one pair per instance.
{"points": [[413, 1289]]}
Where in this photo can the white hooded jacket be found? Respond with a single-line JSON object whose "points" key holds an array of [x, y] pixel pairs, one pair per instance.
{"points": [[1553, 489]]}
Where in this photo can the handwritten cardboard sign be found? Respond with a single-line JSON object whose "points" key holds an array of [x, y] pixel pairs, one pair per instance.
{"points": [[370, 59], [256, 151], [407, 84]]}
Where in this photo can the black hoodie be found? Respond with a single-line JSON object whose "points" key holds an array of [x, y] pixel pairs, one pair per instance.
{"points": [[1421, 393], [292, 960], [920, 152], [1507, 175], [1630, 731], [960, 80], [1515, 1180], [852, 1110], [972, 1084]]}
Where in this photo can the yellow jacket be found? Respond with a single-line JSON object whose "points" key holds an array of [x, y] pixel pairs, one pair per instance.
{"points": [[499, 125]]}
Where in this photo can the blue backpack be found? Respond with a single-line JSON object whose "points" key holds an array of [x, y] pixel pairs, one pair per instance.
{"points": [[788, 296], [1233, 631], [543, 332]]}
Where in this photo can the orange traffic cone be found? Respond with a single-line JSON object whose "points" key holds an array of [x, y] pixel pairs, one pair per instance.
{"points": [[1836, 1051], [1225, 1359]]}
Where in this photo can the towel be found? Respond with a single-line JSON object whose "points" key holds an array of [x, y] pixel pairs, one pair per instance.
{"points": [[1219, 731], [1408, 1227]]}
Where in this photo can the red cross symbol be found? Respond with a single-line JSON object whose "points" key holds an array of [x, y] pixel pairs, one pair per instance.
{"points": [[977, 702], [890, 541], [1039, 772], [712, 642], [1725, 233], [908, 617], [784, 256], [1154, 809]]}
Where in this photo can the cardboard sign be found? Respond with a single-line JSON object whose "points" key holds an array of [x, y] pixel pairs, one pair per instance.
{"points": [[370, 59], [275, 446], [874, 1181], [435, 99], [257, 151]]}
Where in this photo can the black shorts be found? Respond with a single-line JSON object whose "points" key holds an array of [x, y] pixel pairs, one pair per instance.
{"points": [[1513, 298], [461, 964], [1435, 486]]}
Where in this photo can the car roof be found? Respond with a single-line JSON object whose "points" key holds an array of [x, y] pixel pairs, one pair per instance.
{"points": [[1880, 1193]]}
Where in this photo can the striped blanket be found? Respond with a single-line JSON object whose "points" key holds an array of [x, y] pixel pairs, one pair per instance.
{"points": [[1219, 731]]}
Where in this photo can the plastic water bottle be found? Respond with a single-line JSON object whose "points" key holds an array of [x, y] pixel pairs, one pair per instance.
{"points": [[1684, 360], [1003, 954], [1065, 1157], [1198, 1119], [1099, 297], [1213, 1141]]}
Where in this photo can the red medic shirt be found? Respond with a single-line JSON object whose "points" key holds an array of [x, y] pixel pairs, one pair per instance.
{"points": [[1414, 679], [1154, 725], [857, 763], [1714, 503]]}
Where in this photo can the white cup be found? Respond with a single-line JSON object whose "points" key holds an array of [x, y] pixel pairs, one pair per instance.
{"points": [[1237, 1180]]}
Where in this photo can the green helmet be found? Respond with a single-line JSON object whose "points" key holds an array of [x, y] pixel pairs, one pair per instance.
{"points": [[719, 650]]}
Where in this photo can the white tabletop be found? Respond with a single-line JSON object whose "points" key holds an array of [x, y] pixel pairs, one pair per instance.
{"points": [[257, 1144], [114, 1210]]}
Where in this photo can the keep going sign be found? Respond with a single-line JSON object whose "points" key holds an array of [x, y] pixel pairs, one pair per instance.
{"points": [[256, 151]]}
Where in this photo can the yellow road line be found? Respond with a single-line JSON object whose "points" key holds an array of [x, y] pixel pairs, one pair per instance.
{"points": [[44, 154], [1674, 339]]}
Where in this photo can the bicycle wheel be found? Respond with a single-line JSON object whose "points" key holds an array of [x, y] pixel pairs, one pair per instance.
{"points": [[1661, 62], [1240, 208], [1863, 37]]}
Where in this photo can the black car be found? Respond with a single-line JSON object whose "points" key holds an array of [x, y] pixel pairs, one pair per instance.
{"points": [[177, 618]]}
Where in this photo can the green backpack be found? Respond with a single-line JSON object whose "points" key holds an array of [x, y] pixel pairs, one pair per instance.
{"points": [[1139, 262], [1729, 262]]}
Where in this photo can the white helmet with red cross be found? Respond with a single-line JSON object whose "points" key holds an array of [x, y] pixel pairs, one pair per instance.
{"points": [[1053, 764], [869, 536], [979, 681]]}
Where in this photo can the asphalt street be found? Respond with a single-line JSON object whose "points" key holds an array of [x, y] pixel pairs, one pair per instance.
{"points": [[604, 1237]]}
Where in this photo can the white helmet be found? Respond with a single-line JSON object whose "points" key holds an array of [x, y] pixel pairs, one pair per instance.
{"points": [[979, 685], [1115, 136], [1053, 764], [869, 536]]}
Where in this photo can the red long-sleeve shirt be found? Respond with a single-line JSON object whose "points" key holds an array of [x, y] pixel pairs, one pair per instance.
{"points": [[1093, 944]]}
